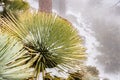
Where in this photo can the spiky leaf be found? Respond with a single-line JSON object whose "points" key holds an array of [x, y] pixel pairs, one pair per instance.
{"points": [[12, 63]]}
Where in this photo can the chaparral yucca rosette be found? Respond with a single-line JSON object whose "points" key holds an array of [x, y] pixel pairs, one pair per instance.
{"points": [[51, 38]]}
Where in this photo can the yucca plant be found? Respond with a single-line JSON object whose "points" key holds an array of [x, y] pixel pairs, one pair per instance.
{"points": [[12, 60], [16, 7], [51, 40]]}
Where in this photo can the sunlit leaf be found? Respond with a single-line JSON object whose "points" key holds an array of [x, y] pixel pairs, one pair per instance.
{"points": [[12, 63]]}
